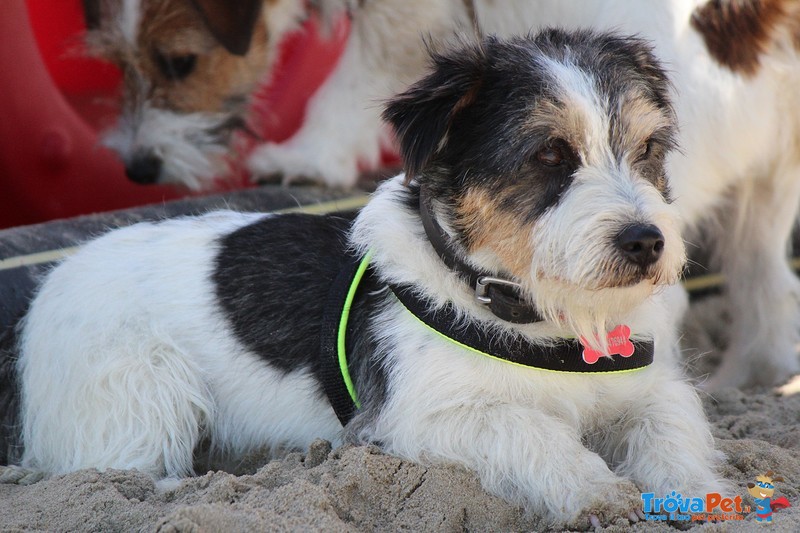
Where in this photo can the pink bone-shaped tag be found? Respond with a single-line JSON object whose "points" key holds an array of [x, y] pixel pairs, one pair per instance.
{"points": [[619, 343]]}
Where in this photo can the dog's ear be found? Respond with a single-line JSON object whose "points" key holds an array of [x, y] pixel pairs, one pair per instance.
{"points": [[650, 68], [91, 14], [231, 22], [422, 115]]}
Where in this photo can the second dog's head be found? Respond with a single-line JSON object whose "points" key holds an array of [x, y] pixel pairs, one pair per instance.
{"points": [[545, 156], [189, 67]]}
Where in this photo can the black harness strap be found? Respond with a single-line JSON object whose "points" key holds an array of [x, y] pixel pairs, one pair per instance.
{"points": [[330, 374]]}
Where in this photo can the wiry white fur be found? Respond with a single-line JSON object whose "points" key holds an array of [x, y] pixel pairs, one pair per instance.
{"points": [[520, 429], [191, 154], [143, 367]]}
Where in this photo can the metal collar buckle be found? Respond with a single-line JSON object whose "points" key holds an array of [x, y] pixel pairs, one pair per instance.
{"points": [[482, 287]]}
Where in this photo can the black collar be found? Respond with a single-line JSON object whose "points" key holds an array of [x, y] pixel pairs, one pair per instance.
{"points": [[500, 295], [560, 354]]}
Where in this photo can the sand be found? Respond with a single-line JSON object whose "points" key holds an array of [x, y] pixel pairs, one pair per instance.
{"points": [[362, 489]]}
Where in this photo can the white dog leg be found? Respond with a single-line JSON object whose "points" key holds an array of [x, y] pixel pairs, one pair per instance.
{"points": [[666, 444], [339, 130], [763, 291], [521, 455]]}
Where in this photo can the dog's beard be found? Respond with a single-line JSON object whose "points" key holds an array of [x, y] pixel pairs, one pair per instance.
{"points": [[595, 292], [590, 314]]}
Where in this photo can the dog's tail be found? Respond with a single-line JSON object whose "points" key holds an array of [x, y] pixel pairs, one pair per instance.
{"points": [[10, 442]]}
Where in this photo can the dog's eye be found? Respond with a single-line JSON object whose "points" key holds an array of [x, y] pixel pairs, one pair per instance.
{"points": [[176, 68], [552, 155]]}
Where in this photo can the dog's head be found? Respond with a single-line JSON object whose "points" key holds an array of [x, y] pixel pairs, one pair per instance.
{"points": [[189, 67], [545, 158]]}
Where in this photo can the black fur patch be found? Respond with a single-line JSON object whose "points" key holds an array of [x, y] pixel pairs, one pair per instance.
{"points": [[272, 279]]}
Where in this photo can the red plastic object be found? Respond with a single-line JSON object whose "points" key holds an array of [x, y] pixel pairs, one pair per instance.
{"points": [[307, 58], [51, 165]]}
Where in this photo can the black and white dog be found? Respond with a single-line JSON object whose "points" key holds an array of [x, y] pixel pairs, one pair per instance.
{"points": [[508, 305]]}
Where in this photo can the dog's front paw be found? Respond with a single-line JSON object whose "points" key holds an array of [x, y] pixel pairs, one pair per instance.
{"points": [[619, 504], [292, 163]]}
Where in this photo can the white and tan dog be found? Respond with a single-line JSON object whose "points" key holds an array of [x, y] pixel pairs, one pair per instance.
{"points": [[191, 64]]}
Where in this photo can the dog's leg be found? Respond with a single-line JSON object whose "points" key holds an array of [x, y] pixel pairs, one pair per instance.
{"points": [[105, 381], [665, 442], [343, 127], [521, 455], [762, 290], [138, 402]]}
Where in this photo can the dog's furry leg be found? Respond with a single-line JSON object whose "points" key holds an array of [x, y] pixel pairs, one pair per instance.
{"points": [[143, 407], [761, 286], [520, 454], [665, 443], [343, 126]]}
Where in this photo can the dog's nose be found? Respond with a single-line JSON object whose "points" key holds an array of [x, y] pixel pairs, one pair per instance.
{"points": [[144, 169], [641, 244]]}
